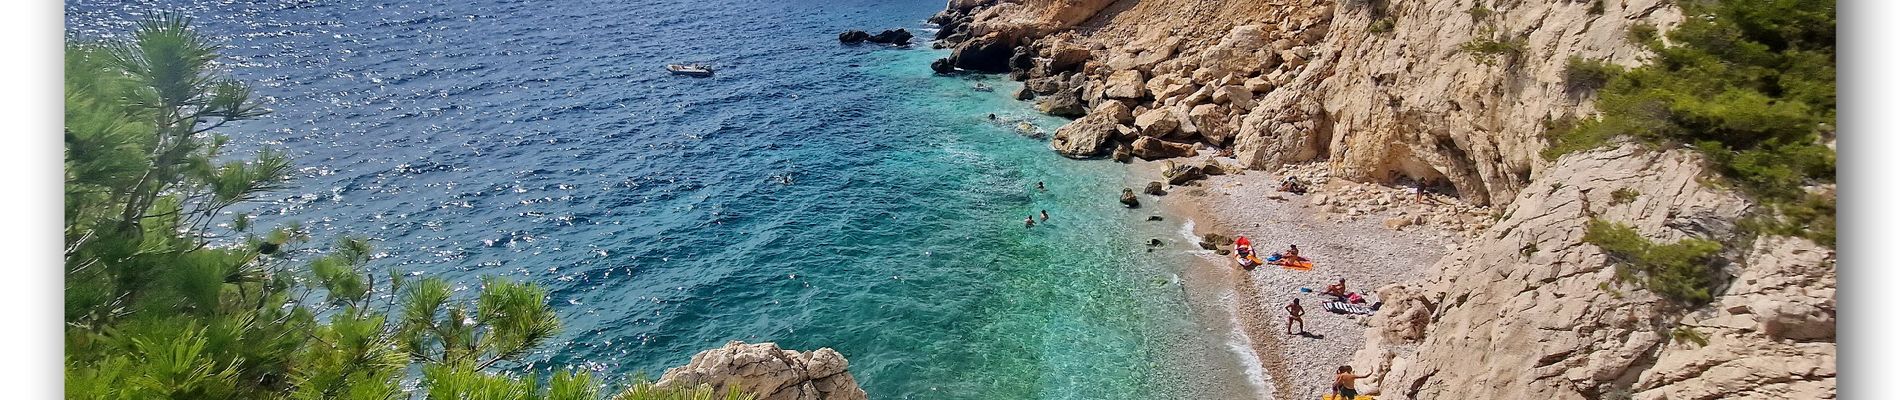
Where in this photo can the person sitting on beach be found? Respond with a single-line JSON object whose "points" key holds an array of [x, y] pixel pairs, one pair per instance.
{"points": [[1029, 222], [1337, 289], [1343, 383], [1293, 253], [1293, 314]]}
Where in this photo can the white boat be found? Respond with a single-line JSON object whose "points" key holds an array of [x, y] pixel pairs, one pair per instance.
{"points": [[690, 70]]}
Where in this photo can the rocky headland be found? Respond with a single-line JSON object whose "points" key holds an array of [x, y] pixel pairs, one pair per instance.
{"points": [[766, 372], [1491, 287]]}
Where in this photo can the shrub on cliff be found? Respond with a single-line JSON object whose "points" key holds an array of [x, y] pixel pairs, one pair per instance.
{"points": [[153, 309], [1748, 83], [1679, 271]]}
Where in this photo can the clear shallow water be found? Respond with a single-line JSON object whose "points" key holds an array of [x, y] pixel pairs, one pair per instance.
{"points": [[813, 194]]}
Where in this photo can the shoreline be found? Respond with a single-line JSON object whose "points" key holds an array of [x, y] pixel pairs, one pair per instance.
{"points": [[1359, 248]]}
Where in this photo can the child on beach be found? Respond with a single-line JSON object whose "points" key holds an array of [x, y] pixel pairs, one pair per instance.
{"points": [[1293, 314]]}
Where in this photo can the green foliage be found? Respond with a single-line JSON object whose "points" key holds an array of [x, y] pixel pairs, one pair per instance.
{"points": [[1686, 334], [1679, 271], [155, 310], [1478, 12], [1644, 33], [1585, 74], [1490, 46], [1751, 85], [1381, 25], [1623, 196], [1596, 7]]}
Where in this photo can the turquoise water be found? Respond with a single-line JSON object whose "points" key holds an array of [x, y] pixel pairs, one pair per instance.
{"points": [[814, 194]]}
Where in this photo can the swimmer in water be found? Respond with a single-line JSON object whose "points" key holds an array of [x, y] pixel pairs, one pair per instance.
{"points": [[1029, 222], [1045, 215]]}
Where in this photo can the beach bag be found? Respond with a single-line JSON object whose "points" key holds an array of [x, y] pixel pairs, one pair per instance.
{"points": [[1274, 257], [1355, 298]]}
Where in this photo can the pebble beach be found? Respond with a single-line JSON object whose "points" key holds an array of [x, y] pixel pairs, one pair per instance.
{"points": [[1362, 247]]}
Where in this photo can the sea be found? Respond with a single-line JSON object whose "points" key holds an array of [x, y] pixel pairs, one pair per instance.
{"points": [[812, 193]]}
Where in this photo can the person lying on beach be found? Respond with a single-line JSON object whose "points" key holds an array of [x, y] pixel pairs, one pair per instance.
{"points": [[1337, 289], [1293, 314]]}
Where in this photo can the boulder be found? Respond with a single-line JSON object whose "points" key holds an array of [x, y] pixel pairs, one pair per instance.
{"points": [[1063, 104], [1128, 198], [765, 371], [988, 54], [1209, 122], [1258, 85], [1022, 59], [1084, 137], [1154, 189], [943, 66], [1123, 153], [1233, 96], [1156, 123], [853, 36], [1125, 84], [897, 36], [1046, 85], [1023, 93], [1066, 57], [1212, 168], [1180, 174], [1149, 148], [1116, 110], [1155, 218]]}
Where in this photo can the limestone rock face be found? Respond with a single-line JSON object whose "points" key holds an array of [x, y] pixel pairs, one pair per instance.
{"points": [[1532, 311], [1308, 80], [768, 372]]}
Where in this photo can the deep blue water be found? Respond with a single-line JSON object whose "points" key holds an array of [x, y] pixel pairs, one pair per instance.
{"points": [[813, 194]]}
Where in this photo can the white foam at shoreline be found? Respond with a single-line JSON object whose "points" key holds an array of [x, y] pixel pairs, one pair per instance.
{"points": [[1242, 347]]}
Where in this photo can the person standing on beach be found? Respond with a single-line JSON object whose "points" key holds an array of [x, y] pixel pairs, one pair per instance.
{"points": [[1343, 383], [1293, 314]]}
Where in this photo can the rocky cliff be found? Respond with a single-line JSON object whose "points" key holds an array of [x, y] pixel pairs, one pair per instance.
{"points": [[1456, 94], [1530, 310], [1448, 92], [768, 372]]}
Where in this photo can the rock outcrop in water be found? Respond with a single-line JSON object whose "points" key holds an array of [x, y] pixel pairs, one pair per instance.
{"points": [[768, 372], [896, 37]]}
